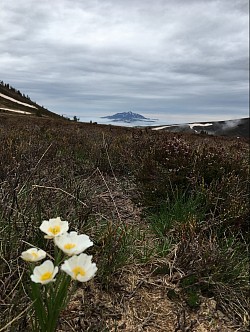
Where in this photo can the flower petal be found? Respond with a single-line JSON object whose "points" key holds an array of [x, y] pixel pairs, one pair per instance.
{"points": [[80, 267], [72, 243], [33, 255], [54, 227], [44, 273]]}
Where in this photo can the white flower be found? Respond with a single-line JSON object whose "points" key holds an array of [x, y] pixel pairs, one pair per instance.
{"points": [[54, 227], [80, 267], [44, 273], [72, 243], [33, 255]]}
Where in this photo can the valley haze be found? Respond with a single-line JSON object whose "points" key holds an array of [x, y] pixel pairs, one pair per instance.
{"points": [[13, 101]]}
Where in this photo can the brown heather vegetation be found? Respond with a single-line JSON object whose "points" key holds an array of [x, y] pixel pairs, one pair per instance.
{"points": [[168, 214]]}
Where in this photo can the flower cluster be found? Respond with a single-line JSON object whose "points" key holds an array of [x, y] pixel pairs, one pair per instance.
{"points": [[79, 266]]}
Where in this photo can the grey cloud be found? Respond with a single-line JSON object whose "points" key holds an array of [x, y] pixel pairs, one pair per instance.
{"points": [[184, 56]]}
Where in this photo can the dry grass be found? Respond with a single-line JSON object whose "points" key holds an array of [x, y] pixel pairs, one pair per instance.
{"points": [[104, 180], [138, 301]]}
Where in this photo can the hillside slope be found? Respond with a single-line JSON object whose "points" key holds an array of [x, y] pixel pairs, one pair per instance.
{"points": [[231, 128], [12, 101]]}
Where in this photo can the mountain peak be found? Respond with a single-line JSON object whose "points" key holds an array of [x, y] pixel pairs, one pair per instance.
{"points": [[127, 117]]}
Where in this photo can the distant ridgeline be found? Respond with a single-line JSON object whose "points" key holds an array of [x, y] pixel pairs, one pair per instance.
{"points": [[13, 101], [233, 128]]}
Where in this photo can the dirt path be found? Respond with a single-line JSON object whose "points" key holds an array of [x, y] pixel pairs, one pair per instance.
{"points": [[138, 301]]}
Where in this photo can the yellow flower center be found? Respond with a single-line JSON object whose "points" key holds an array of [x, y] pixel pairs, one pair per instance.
{"points": [[69, 246], [78, 270], [54, 230], [46, 276], [34, 254]]}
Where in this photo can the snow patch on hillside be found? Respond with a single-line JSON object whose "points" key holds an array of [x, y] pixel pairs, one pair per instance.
{"points": [[163, 127], [16, 101], [16, 111], [192, 125]]}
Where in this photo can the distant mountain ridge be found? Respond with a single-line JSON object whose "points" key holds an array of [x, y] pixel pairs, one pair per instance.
{"points": [[236, 127], [127, 117]]}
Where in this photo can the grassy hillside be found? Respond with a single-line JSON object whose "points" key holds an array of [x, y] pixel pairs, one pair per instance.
{"points": [[168, 215], [20, 103]]}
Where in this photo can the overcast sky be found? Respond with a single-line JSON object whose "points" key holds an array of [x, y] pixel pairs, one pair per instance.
{"points": [[177, 60]]}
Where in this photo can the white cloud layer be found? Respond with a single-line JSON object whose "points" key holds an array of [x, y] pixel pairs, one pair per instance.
{"points": [[170, 58]]}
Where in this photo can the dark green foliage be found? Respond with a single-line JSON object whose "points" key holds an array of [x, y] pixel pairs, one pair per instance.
{"points": [[75, 118], [191, 287]]}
